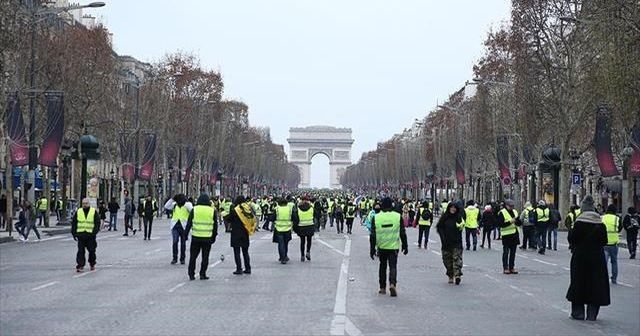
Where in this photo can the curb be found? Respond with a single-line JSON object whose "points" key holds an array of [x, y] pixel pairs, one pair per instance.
{"points": [[56, 232], [6, 239]]}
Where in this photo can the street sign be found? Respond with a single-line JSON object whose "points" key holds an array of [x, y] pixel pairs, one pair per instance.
{"points": [[576, 179]]}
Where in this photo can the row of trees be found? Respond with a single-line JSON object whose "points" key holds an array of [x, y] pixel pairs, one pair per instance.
{"points": [[120, 100], [538, 85]]}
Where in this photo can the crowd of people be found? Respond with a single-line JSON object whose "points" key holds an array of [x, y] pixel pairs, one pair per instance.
{"points": [[593, 237]]}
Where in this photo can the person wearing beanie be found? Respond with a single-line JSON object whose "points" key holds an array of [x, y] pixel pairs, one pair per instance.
{"points": [[612, 222], [203, 225], [508, 221], [449, 228], [388, 236], [488, 223], [425, 217], [589, 285], [631, 224], [541, 218], [471, 215]]}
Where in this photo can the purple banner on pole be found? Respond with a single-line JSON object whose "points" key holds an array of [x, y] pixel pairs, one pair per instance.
{"points": [[460, 168], [502, 151], [634, 163], [55, 129], [128, 167], [603, 142], [149, 158], [191, 159], [18, 146]]}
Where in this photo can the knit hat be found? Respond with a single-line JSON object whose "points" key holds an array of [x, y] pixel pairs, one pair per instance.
{"points": [[509, 202], [587, 204], [387, 203], [203, 199], [541, 203]]}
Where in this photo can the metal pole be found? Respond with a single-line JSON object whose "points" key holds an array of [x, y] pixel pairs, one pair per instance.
{"points": [[32, 109]]}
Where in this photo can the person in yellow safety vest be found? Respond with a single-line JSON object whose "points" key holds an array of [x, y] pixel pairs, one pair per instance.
{"points": [[362, 209], [508, 221], [42, 205], [425, 218], [180, 209], [450, 225], [85, 224], [612, 222], [471, 216], [541, 225], [387, 236], [527, 217], [203, 224], [349, 215], [225, 210], [286, 216], [305, 228], [574, 212], [243, 225], [331, 203], [59, 210]]}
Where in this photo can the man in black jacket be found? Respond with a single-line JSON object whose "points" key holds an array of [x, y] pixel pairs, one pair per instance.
{"points": [[85, 225], [631, 224]]}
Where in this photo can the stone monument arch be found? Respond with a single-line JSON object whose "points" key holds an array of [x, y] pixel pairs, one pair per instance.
{"points": [[307, 142]]}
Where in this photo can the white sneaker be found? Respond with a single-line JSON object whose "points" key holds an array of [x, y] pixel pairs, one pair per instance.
{"points": [[25, 240], [22, 238]]}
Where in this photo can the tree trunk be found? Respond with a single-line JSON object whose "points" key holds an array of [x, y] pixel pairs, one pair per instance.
{"points": [[564, 179]]}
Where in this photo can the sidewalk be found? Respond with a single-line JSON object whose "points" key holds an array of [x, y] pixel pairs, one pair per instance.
{"points": [[52, 230]]}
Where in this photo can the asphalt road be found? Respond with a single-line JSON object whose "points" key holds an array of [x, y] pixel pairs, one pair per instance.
{"points": [[135, 291]]}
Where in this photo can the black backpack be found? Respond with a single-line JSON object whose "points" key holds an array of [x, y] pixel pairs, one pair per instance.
{"points": [[425, 214]]}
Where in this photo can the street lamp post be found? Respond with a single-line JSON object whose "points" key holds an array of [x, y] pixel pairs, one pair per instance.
{"points": [[112, 174]]}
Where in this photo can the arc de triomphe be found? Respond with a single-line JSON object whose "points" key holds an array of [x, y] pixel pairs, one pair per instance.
{"points": [[307, 142]]}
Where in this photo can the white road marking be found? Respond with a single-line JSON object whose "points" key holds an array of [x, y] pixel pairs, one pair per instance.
{"points": [[45, 285], [106, 237], [152, 252], [629, 264], [492, 278], [52, 238], [341, 323], [83, 274], [522, 256], [67, 239], [329, 246], [176, 287], [625, 284], [544, 262], [566, 268], [436, 252], [518, 289]]}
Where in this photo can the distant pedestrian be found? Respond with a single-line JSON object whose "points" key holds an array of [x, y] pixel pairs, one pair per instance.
{"points": [[286, 215], [27, 221], [589, 284], [42, 205], [541, 216], [3, 211], [388, 236], [488, 223], [129, 211], [113, 214], [349, 215], [508, 221], [612, 222], [527, 218], [631, 224], [85, 225], [338, 214], [149, 209], [102, 210], [425, 218], [203, 225], [552, 231], [449, 228], [180, 210], [471, 215], [305, 228], [243, 221]]}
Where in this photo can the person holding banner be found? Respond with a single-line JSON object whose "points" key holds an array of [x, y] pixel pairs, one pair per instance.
{"points": [[243, 223]]}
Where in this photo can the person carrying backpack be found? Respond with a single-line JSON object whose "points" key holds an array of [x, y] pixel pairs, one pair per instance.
{"points": [[631, 223], [425, 218], [528, 219]]}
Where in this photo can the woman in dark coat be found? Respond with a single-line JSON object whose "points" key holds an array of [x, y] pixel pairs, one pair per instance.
{"points": [[305, 228], [239, 239], [589, 277], [450, 230]]}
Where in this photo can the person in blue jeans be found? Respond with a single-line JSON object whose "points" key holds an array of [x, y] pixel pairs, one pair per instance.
{"points": [[552, 229], [113, 214], [612, 222]]}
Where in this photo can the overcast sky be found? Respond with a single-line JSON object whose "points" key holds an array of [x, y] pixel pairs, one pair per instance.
{"points": [[370, 65]]}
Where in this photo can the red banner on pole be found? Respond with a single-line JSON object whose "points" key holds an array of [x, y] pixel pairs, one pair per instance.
{"points": [[55, 129], [18, 140]]}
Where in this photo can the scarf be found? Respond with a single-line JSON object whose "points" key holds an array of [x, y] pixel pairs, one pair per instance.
{"points": [[248, 219]]}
